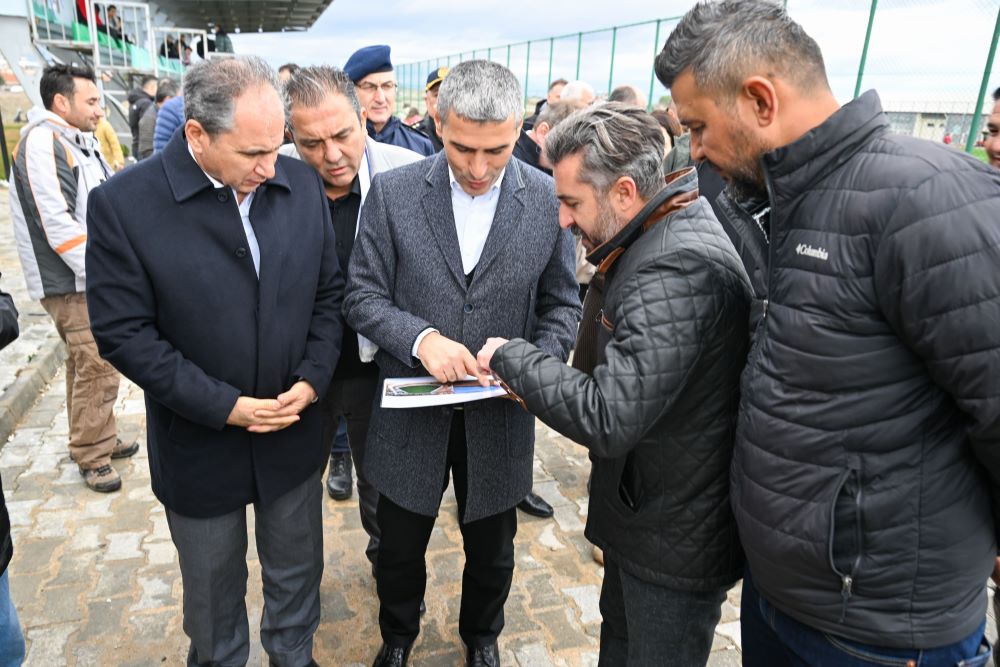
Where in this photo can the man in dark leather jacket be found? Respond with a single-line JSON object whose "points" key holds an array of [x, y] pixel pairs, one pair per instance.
{"points": [[657, 411]]}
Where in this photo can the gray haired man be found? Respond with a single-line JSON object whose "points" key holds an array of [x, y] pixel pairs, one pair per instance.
{"points": [[866, 474], [451, 250], [221, 299], [657, 409]]}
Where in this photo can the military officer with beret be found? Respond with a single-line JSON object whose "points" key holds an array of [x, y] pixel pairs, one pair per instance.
{"points": [[371, 71]]}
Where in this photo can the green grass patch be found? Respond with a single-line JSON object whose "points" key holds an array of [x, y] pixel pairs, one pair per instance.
{"points": [[980, 154]]}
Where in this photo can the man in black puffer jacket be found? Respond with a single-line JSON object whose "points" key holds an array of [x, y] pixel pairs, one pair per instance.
{"points": [[658, 410], [867, 467]]}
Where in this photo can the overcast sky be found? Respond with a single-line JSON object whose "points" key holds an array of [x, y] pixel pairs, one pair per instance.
{"points": [[923, 51]]}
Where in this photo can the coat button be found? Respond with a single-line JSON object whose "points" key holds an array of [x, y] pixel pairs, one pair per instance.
{"points": [[222, 196], [468, 308], [241, 252]]}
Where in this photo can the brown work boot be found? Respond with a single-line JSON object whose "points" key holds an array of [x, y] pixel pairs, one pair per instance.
{"points": [[104, 479], [123, 451]]}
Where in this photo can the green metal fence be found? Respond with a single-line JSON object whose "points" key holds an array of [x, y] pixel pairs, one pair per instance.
{"points": [[932, 63]]}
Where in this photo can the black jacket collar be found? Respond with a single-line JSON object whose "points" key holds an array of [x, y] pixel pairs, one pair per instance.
{"points": [[684, 181], [797, 166], [187, 179]]}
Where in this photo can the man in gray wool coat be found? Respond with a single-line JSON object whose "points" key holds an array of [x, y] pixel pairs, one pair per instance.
{"points": [[454, 249]]}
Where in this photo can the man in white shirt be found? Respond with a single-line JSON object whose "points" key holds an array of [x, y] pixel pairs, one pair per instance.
{"points": [[452, 250]]}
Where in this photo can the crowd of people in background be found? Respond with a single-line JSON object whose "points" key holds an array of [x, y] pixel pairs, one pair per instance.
{"points": [[772, 323]]}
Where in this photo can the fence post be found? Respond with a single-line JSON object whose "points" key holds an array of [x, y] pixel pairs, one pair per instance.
{"points": [[552, 45], [508, 56], [489, 53], [611, 70], [579, 50], [652, 75], [976, 117], [864, 51], [527, 71]]}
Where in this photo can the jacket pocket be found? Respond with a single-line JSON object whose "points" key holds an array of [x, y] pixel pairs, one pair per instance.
{"points": [[630, 489], [845, 540]]}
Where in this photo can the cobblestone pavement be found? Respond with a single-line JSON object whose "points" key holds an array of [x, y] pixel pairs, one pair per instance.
{"points": [[95, 577]]}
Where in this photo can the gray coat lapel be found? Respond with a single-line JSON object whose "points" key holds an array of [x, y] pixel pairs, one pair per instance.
{"points": [[441, 216], [505, 220]]}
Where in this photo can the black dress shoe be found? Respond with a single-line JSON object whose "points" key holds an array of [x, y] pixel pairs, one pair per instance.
{"points": [[389, 656], [484, 656], [340, 481], [535, 506], [272, 663]]}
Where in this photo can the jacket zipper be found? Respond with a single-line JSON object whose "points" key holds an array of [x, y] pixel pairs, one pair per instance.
{"points": [[846, 578]]}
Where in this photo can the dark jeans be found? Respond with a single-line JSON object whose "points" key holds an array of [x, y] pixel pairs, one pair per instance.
{"points": [[402, 570], [646, 624], [774, 639], [341, 443], [351, 399]]}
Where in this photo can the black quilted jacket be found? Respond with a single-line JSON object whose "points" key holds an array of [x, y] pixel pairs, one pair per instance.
{"points": [[658, 411], [870, 422]]}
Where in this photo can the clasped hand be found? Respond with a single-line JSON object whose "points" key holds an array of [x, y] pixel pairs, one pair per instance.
{"points": [[266, 415]]}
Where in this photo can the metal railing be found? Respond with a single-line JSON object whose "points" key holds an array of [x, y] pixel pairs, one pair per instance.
{"points": [[905, 49]]}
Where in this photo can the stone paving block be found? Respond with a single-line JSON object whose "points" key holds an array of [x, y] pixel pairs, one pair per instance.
{"points": [[160, 553], [86, 538], [20, 510], [731, 630], [114, 579], [568, 518], [105, 618], [47, 645], [74, 568], [96, 506], [534, 654], [728, 657], [586, 599], [154, 592], [123, 546], [37, 554], [63, 603], [54, 524]]}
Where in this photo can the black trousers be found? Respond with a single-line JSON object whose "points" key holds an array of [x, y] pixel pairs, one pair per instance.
{"points": [[352, 399], [402, 571]]}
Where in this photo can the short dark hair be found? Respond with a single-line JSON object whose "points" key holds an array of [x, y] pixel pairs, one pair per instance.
{"points": [[553, 114], [146, 79], [626, 94], [668, 123], [291, 68], [166, 88], [996, 95], [558, 82], [110, 7], [722, 41], [309, 86], [60, 80]]}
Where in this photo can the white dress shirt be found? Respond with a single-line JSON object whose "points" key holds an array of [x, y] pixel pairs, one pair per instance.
{"points": [[473, 221], [244, 208]]}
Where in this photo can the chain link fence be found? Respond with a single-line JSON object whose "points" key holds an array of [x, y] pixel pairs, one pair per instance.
{"points": [[931, 62]]}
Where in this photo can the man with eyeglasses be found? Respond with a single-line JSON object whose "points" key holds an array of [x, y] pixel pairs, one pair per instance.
{"points": [[371, 71]]}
